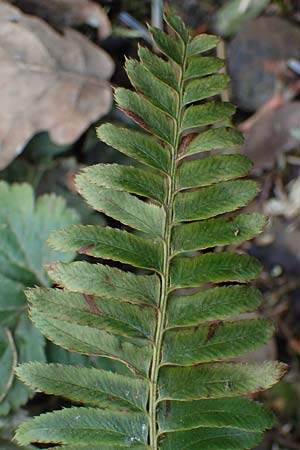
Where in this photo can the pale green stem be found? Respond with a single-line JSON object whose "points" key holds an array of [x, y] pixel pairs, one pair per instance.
{"points": [[162, 309]]}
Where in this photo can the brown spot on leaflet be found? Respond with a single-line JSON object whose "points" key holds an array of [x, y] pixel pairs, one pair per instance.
{"points": [[135, 117], [93, 308], [185, 141], [85, 248], [213, 327], [107, 279]]}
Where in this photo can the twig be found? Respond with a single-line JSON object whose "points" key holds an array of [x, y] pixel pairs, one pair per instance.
{"points": [[132, 23], [157, 14], [293, 343], [286, 442], [14, 364]]}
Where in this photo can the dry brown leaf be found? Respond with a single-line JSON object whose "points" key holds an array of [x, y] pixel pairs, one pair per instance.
{"points": [[66, 13], [48, 82], [287, 203], [272, 135]]}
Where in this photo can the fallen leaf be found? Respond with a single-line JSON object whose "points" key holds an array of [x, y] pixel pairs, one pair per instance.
{"points": [[285, 204], [48, 82], [272, 135], [67, 13]]}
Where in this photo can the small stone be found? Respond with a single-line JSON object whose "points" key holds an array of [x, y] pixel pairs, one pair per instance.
{"points": [[254, 55]]}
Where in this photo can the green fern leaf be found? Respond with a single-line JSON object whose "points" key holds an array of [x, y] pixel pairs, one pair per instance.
{"points": [[161, 69], [143, 80], [200, 44], [206, 114], [111, 243], [237, 413], [201, 66], [203, 172], [95, 387], [213, 138], [212, 304], [137, 145], [178, 391]]}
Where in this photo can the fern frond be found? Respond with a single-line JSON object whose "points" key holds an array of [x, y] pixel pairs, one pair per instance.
{"points": [[180, 389]]}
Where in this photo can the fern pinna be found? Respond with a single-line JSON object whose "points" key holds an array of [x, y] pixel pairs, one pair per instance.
{"points": [[178, 393]]}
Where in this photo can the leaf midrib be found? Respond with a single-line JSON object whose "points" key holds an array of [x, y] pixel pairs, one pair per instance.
{"points": [[165, 275]]}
